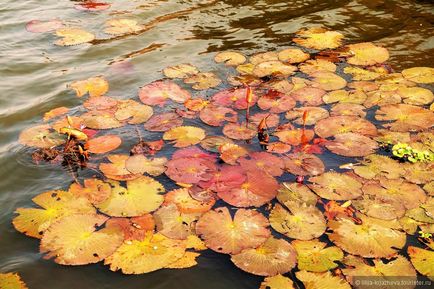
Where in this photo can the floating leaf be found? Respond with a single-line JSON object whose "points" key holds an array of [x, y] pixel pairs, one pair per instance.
{"points": [[273, 67], [358, 73], [74, 240], [116, 169], [275, 256], [173, 224], [133, 228], [405, 117], [264, 161], [344, 124], [55, 112], [309, 95], [152, 253], [377, 165], [122, 26], [328, 80], [96, 191], [336, 186], [294, 136], [230, 153], [271, 119], [264, 57], [221, 233], [422, 260], [100, 103], [184, 136], [301, 164], [357, 268], [419, 74], [293, 194], [186, 261], [254, 189], [157, 93], [314, 114], [92, 6], [344, 96], [293, 55], [348, 109], [419, 173], [407, 194], [203, 80], [238, 131], [318, 38], [276, 102], [300, 222], [352, 145], [133, 112], [190, 170], [73, 36], [321, 280], [183, 70], [54, 204], [100, 120], [382, 98], [216, 115], [11, 281], [139, 164], [185, 203], [277, 282], [367, 54], [38, 26], [380, 207], [41, 136], [230, 58], [373, 238], [235, 98], [278, 147], [163, 122], [142, 195], [313, 255], [312, 66], [103, 144]]}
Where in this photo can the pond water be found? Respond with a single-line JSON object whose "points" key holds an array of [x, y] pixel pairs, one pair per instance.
{"points": [[34, 74]]}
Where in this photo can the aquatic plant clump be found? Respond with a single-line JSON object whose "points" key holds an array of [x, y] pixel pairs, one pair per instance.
{"points": [[302, 165]]}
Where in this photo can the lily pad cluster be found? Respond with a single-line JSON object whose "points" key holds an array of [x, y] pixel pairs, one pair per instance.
{"points": [[244, 156]]}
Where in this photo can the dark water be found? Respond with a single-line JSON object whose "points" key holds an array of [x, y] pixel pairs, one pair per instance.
{"points": [[34, 74]]}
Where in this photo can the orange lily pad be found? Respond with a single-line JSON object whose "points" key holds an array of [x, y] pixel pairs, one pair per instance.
{"points": [[230, 153], [203, 80], [419, 74], [163, 122], [367, 54], [405, 117], [41, 136], [96, 191], [103, 144], [133, 228], [73, 36], [352, 145], [335, 125], [230, 58], [139, 164], [116, 169], [318, 38], [312, 66], [185, 203], [336, 186], [348, 109], [274, 256], [74, 240], [293, 55], [273, 67], [328, 80], [276, 102], [309, 95], [235, 98], [183, 70], [294, 136], [95, 86], [313, 114], [264, 161], [173, 224], [301, 164], [224, 234], [216, 115]]}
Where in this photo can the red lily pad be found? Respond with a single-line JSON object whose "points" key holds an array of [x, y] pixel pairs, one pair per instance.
{"points": [[302, 164], [267, 162], [235, 98], [92, 6], [38, 26], [103, 144], [276, 102], [238, 131], [100, 103], [295, 136], [190, 170], [158, 92], [216, 115], [163, 122]]}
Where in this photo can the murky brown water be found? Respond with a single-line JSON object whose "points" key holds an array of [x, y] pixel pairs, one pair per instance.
{"points": [[34, 74]]}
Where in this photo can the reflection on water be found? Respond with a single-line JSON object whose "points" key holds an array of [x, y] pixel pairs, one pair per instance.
{"points": [[34, 74]]}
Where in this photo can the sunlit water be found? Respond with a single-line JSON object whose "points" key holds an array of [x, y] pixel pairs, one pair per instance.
{"points": [[34, 74]]}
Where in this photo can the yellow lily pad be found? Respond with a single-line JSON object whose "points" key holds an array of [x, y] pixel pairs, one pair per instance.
{"points": [[11, 281], [422, 260], [419, 74], [313, 255], [74, 240], [142, 195], [321, 280], [54, 204], [336, 186], [184, 136], [152, 253], [73, 36], [318, 38], [277, 282]]}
